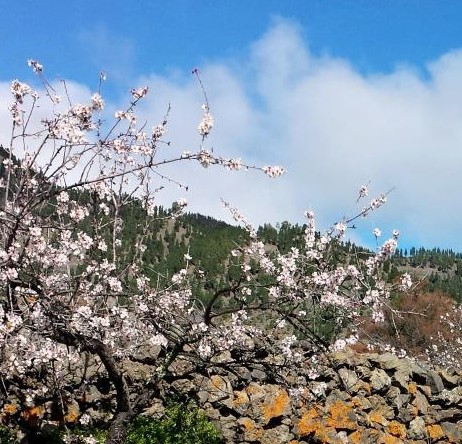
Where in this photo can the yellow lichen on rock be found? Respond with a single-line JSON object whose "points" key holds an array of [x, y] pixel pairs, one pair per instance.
{"points": [[33, 415], [389, 439], [251, 431], [73, 413], [435, 431], [309, 422], [240, 397], [10, 409], [412, 388], [342, 416], [398, 429], [277, 406], [377, 417]]}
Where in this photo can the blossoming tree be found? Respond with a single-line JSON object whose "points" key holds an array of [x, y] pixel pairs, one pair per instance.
{"points": [[69, 288]]}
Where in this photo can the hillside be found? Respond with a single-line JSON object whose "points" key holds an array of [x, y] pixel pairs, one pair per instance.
{"points": [[209, 242]]}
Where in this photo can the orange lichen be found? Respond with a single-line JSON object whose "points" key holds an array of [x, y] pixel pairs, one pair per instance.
{"points": [[240, 398], [277, 407], [251, 431], [33, 415], [389, 439], [377, 418], [10, 409], [309, 422], [397, 429], [363, 436], [355, 437], [412, 388], [217, 382], [248, 423], [72, 415], [342, 416], [435, 431]]}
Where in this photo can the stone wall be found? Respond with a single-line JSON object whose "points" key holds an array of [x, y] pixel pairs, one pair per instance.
{"points": [[358, 398]]}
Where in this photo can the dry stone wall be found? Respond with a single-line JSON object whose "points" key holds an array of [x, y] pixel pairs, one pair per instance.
{"points": [[358, 398]]}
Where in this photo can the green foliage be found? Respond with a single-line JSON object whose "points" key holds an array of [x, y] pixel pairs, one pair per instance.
{"points": [[182, 423], [99, 434], [6, 435]]}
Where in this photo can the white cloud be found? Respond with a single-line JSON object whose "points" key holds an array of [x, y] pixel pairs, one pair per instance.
{"points": [[332, 127]]}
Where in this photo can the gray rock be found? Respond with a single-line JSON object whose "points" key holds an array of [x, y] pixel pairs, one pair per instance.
{"points": [[380, 380], [452, 431], [277, 434], [453, 396], [401, 379], [435, 382], [421, 402], [417, 429], [388, 361], [259, 375], [451, 379], [404, 415], [349, 378], [401, 400]]}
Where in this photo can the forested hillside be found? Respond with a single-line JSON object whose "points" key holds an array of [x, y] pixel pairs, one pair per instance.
{"points": [[209, 241]]}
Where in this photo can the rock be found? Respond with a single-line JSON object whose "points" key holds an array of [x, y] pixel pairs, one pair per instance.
{"points": [[258, 375], [451, 379], [380, 380], [279, 434], [401, 379], [183, 386], [453, 432], [417, 429], [276, 403], [349, 378], [156, 410], [220, 389], [401, 400], [405, 415], [241, 402], [250, 431], [453, 396], [435, 382], [228, 428], [421, 403], [388, 361]]}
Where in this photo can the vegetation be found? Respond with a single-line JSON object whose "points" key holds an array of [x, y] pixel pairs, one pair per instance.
{"points": [[182, 423], [92, 270]]}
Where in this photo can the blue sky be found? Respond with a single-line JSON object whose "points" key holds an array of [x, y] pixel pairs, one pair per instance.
{"points": [[339, 92], [78, 37]]}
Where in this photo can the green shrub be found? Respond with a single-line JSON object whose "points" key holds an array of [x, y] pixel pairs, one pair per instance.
{"points": [[6, 436], [182, 423]]}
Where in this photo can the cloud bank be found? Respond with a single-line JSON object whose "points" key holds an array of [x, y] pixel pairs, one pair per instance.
{"points": [[332, 127]]}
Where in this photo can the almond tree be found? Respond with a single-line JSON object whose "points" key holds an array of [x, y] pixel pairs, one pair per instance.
{"points": [[70, 288]]}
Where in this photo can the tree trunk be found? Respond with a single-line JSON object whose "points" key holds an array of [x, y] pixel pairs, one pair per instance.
{"points": [[124, 413]]}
